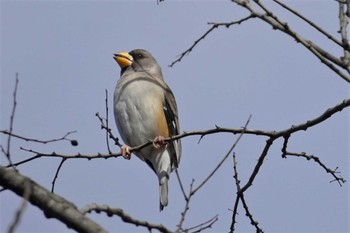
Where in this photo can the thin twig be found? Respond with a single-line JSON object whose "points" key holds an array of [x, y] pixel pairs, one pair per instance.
{"points": [[238, 188], [203, 226], [12, 117], [334, 172], [329, 64], [224, 158], [258, 165], [312, 24], [56, 175], [250, 216], [180, 183], [193, 191], [26, 160], [184, 212], [124, 216], [240, 197], [214, 26], [309, 123], [27, 139], [187, 198], [137, 148], [109, 130], [107, 127], [268, 17]]}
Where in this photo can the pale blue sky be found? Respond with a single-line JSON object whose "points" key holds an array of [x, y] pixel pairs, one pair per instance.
{"points": [[63, 53]]}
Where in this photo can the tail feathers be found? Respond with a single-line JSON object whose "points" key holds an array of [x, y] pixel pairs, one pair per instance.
{"points": [[163, 192]]}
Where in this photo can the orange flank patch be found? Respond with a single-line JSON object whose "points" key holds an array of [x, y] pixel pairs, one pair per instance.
{"points": [[162, 124]]}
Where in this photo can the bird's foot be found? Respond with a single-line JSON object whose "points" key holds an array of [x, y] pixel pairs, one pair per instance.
{"points": [[158, 142], [125, 151]]}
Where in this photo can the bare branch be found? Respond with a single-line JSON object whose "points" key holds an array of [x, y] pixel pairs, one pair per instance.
{"points": [[193, 191], [200, 227], [273, 135], [180, 183], [51, 204], [238, 187], [224, 158], [203, 226], [109, 130], [312, 24], [240, 197], [334, 172], [268, 17], [27, 139], [250, 216], [57, 207], [257, 166], [7, 152], [286, 135], [26, 160], [124, 216], [329, 64], [214, 26], [73, 156], [344, 21], [304, 126], [184, 212], [107, 127], [115, 155], [56, 175]]}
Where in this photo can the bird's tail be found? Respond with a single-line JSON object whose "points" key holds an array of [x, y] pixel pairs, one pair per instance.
{"points": [[163, 191]]}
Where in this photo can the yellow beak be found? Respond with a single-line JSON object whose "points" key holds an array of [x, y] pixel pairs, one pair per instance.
{"points": [[124, 59]]}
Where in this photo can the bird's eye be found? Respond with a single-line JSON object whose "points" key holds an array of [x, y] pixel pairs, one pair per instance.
{"points": [[139, 55]]}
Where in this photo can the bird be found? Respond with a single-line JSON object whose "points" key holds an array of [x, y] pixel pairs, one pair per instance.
{"points": [[145, 109]]}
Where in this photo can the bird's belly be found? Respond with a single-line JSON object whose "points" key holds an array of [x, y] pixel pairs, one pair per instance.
{"points": [[139, 112]]}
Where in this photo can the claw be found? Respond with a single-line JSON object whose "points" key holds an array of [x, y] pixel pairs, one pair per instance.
{"points": [[125, 151], [158, 142]]}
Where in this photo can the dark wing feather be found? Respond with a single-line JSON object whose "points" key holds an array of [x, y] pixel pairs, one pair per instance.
{"points": [[170, 111]]}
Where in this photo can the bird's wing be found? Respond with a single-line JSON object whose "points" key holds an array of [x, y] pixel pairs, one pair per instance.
{"points": [[171, 115]]}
